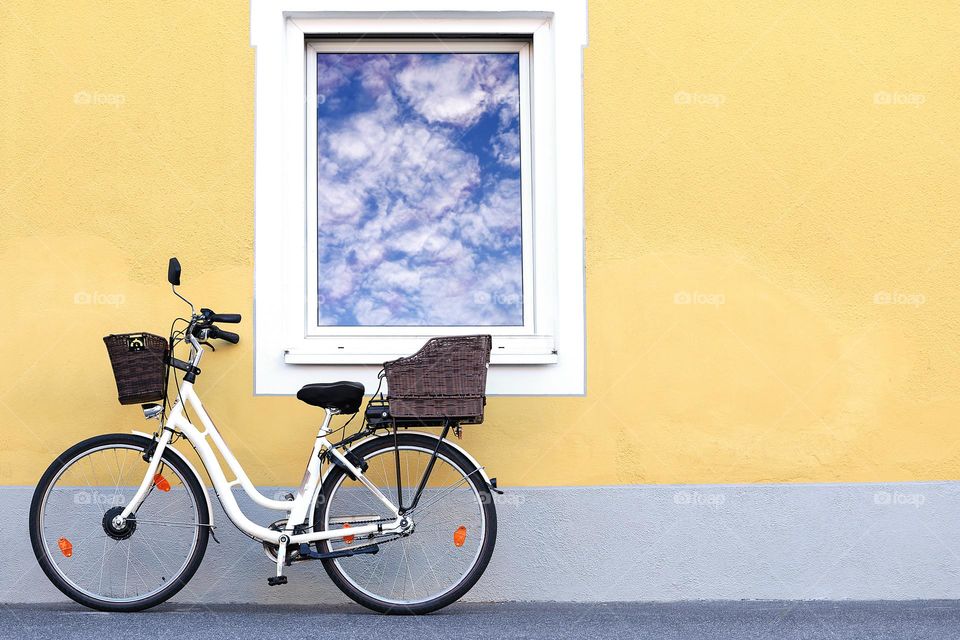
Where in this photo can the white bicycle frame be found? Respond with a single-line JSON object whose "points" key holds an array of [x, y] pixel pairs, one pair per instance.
{"points": [[209, 441]]}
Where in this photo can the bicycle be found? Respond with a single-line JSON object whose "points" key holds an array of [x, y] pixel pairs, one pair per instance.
{"points": [[120, 522]]}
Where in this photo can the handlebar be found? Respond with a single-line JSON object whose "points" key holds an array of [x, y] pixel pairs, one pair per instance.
{"points": [[203, 325], [229, 336], [229, 318]]}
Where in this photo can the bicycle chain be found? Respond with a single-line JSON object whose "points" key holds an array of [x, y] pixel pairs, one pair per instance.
{"points": [[371, 541]]}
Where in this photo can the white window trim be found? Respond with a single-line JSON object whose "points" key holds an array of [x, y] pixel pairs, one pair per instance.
{"points": [[547, 362]]}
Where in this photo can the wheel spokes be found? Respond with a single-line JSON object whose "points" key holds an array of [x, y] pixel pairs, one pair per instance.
{"points": [[106, 563], [428, 562]]}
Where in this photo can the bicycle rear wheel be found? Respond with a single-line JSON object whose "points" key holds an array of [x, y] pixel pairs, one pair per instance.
{"points": [[136, 566], [455, 527]]}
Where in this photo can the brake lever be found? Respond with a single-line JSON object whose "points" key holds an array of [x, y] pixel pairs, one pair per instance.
{"points": [[205, 343]]}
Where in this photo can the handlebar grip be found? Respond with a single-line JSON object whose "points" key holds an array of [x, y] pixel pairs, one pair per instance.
{"points": [[229, 336], [210, 316], [229, 318]]}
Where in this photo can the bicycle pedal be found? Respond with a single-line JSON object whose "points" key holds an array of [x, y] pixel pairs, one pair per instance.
{"points": [[275, 580]]}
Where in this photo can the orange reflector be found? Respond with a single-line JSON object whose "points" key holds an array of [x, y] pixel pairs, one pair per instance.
{"points": [[65, 547], [347, 539], [460, 536], [162, 483]]}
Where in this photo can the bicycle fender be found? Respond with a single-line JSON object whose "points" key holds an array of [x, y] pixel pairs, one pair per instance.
{"points": [[173, 450], [483, 472]]}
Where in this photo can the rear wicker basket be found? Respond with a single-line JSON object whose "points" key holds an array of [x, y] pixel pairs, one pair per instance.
{"points": [[138, 366], [447, 378]]}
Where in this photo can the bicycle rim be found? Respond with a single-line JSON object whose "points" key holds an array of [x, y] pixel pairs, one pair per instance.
{"points": [[445, 546], [124, 569]]}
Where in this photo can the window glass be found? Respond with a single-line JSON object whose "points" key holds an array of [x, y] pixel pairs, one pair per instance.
{"points": [[418, 189]]}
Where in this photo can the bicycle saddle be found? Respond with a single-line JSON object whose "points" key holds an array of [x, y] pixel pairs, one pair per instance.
{"points": [[344, 397]]}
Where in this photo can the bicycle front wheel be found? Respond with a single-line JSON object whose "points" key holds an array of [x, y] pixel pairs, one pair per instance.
{"points": [[87, 556], [454, 526]]}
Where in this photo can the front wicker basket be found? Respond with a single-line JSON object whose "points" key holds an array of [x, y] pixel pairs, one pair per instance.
{"points": [[139, 366], [446, 378]]}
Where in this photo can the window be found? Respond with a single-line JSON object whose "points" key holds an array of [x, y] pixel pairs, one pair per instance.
{"points": [[418, 174], [419, 207]]}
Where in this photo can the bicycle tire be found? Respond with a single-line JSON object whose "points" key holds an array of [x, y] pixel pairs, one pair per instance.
{"points": [[425, 443], [191, 483]]}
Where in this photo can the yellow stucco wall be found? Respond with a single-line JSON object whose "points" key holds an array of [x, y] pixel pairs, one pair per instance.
{"points": [[789, 168]]}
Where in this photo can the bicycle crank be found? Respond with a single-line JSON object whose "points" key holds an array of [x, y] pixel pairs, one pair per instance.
{"points": [[270, 549]]}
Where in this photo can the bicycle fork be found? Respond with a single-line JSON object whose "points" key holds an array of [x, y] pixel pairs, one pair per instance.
{"points": [[149, 478]]}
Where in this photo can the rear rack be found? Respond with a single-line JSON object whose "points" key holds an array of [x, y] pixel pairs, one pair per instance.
{"points": [[378, 416]]}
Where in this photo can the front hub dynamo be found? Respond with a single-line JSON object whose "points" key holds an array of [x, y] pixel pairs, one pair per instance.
{"points": [[124, 530]]}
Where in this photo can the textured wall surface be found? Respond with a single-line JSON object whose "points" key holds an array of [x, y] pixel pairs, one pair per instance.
{"points": [[772, 238], [690, 542]]}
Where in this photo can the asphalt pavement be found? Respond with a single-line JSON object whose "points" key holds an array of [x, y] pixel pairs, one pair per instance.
{"points": [[662, 621]]}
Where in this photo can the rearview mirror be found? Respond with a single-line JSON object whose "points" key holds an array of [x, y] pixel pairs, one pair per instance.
{"points": [[173, 272]]}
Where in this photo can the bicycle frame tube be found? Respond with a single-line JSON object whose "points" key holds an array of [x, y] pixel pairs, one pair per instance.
{"points": [[209, 442]]}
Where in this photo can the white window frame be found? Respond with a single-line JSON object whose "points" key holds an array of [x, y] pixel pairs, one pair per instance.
{"points": [[537, 283], [547, 360]]}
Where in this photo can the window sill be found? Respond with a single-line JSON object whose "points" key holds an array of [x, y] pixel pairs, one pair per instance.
{"points": [[377, 350]]}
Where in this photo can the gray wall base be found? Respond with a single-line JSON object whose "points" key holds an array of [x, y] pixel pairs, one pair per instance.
{"points": [[826, 541]]}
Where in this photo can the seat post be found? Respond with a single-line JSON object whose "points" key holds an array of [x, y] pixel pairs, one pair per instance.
{"points": [[327, 417]]}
